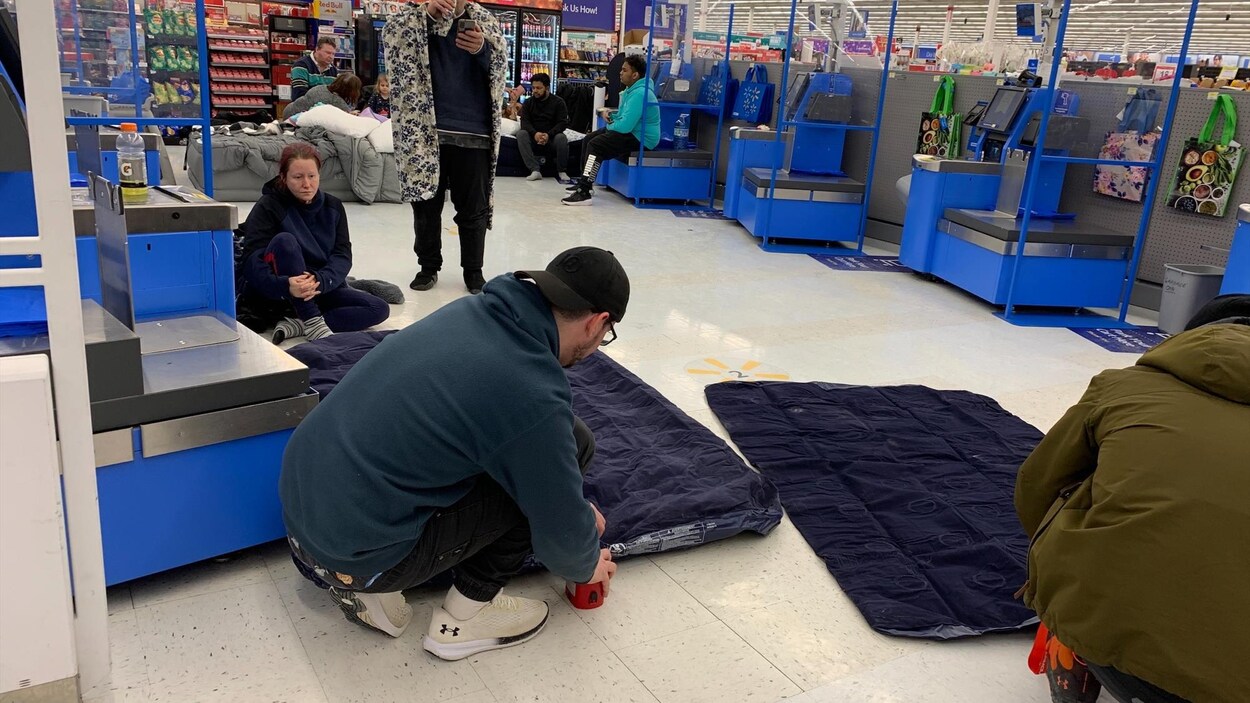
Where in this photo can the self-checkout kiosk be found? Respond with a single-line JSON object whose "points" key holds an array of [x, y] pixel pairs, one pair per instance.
{"points": [[964, 216], [809, 201]]}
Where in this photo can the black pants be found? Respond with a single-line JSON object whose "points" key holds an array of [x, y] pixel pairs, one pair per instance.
{"points": [[345, 308], [607, 145], [467, 174], [1130, 689], [484, 537], [559, 144]]}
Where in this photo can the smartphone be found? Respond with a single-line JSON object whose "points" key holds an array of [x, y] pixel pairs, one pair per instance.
{"points": [[466, 25]]}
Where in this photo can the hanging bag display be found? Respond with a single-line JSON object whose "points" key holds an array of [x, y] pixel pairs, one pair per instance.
{"points": [[755, 96], [717, 88], [1135, 139], [940, 127], [1209, 165]]}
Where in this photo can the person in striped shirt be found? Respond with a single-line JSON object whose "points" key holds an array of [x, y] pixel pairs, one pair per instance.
{"points": [[314, 69]]}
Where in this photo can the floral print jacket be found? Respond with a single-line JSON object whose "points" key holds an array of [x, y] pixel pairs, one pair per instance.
{"points": [[406, 42]]}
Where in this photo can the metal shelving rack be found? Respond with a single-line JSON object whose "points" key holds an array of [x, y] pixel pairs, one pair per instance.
{"points": [[229, 92]]}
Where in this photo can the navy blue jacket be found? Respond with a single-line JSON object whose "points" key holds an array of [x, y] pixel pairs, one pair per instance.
{"points": [[461, 85], [320, 227], [473, 390]]}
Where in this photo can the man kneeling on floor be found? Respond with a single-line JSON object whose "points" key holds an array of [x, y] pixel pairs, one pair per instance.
{"points": [[636, 123], [453, 445]]}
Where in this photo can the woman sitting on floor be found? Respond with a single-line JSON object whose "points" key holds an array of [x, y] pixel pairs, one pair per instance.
{"points": [[343, 93], [296, 248]]}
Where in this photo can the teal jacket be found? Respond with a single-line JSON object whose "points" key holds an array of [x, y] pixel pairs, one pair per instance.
{"points": [[473, 391], [629, 119]]}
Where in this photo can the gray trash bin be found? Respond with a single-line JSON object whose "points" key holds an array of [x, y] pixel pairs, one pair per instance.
{"points": [[1185, 290]]}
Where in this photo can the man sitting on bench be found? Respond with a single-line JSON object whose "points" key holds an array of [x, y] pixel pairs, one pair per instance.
{"points": [[636, 123]]}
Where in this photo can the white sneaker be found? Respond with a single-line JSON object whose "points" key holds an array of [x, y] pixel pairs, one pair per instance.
{"points": [[564, 177], [386, 612], [534, 176], [506, 622]]}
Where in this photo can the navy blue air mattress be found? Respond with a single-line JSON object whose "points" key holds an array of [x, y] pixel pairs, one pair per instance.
{"points": [[905, 492], [662, 480]]}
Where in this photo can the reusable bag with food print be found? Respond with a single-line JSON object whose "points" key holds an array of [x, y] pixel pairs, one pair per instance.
{"points": [[1209, 165], [940, 126]]}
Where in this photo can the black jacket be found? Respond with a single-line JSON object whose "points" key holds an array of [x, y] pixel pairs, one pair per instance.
{"points": [[320, 227], [548, 115]]}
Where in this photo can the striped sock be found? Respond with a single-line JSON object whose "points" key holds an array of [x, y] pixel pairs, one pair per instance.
{"points": [[287, 328], [316, 328]]}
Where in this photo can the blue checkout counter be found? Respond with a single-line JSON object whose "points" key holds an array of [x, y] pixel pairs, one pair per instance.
{"points": [[963, 222], [190, 411], [1237, 272], [108, 156], [664, 174], [793, 194]]}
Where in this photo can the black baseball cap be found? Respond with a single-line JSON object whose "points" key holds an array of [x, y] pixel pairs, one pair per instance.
{"points": [[584, 278]]}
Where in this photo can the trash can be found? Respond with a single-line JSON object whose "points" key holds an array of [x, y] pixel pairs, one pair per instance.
{"points": [[1185, 290]]}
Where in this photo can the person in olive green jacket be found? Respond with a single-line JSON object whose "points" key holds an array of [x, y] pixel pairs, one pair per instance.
{"points": [[1138, 501]]}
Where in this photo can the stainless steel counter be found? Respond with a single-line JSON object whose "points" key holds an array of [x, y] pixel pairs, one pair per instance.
{"points": [[168, 209]]}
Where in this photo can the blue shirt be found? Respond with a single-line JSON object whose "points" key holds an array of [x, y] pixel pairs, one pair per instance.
{"points": [[461, 84]]}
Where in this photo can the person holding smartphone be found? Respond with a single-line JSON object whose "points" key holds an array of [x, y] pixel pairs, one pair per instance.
{"points": [[446, 60]]}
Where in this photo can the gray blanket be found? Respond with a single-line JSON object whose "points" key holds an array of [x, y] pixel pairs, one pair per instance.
{"points": [[372, 175]]}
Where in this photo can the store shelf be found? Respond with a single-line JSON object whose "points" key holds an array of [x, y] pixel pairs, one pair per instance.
{"points": [[247, 93], [238, 37], [541, 39], [107, 12], [237, 49], [235, 106], [238, 80], [584, 63], [257, 66]]}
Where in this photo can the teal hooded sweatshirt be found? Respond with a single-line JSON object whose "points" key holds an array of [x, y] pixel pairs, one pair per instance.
{"points": [[636, 116], [473, 390]]}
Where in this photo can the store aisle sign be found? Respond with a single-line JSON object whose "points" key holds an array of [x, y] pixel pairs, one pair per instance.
{"points": [[337, 10], [859, 47], [590, 14]]}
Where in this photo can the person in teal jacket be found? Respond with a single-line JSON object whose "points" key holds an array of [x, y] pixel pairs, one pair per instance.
{"points": [[636, 123]]}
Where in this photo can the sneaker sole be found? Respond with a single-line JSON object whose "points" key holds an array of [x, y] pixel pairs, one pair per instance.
{"points": [[456, 652], [579, 202], [353, 609]]}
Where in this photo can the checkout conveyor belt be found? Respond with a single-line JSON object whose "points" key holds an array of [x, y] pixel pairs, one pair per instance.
{"points": [[1000, 234]]}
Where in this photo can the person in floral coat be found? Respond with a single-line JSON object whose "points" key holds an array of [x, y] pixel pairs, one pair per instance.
{"points": [[446, 61]]}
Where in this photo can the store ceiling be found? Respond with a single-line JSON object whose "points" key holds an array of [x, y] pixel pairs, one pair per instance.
{"points": [[1150, 25]]}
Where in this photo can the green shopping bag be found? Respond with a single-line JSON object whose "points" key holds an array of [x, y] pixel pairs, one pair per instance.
{"points": [[1209, 166], [940, 126]]}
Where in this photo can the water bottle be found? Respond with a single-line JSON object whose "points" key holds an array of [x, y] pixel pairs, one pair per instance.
{"points": [[132, 165], [681, 132]]}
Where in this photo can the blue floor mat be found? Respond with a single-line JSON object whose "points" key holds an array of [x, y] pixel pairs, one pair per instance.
{"points": [[905, 492], [662, 480]]}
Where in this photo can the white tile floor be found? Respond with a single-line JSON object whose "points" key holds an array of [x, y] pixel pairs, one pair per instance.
{"points": [[750, 619]]}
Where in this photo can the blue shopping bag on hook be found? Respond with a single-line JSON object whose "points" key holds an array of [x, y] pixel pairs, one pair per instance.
{"points": [[718, 88], [754, 102]]}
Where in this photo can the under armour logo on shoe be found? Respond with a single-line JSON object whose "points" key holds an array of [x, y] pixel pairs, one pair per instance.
{"points": [[455, 631]]}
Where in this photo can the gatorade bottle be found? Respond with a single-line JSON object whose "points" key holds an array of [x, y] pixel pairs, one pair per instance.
{"points": [[681, 132], [132, 165]]}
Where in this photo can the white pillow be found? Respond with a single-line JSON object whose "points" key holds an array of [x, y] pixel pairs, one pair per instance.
{"points": [[508, 127], [335, 120], [383, 138]]}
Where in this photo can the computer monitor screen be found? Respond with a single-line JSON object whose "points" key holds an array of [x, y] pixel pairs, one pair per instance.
{"points": [[1001, 114]]}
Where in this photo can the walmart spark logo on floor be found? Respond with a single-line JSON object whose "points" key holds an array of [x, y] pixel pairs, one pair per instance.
{"points": [[750, 370]]}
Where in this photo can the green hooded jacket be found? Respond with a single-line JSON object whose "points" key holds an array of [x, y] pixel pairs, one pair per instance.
{"points": [[1138, 501]]}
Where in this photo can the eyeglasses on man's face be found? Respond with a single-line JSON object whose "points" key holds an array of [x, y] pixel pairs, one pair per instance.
{"points": [[610, 336]]}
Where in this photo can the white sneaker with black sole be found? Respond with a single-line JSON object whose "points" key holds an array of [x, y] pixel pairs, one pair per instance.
{"points": [[507, 621], [385, 612]]}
